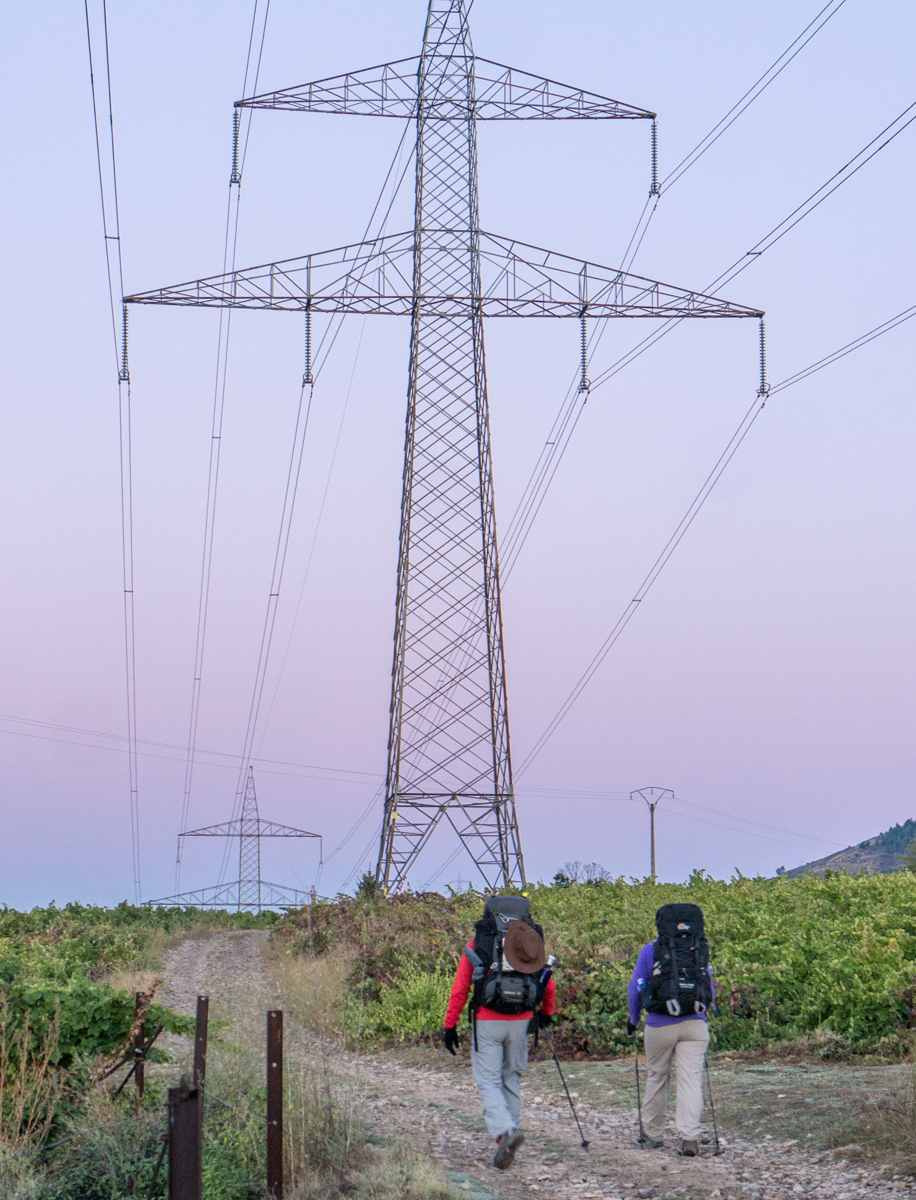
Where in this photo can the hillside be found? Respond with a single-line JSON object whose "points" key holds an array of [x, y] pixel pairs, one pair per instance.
{"points": [[878, 854]]}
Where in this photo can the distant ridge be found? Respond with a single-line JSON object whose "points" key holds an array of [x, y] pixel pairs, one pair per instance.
{"points": [[878, 854]]}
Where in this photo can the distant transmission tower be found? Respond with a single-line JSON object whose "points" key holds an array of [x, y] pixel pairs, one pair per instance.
{"points": [[249, 892], [448, 751]]}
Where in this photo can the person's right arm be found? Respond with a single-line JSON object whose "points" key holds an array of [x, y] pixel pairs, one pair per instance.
{"points": [[460, 989], [644, 964]]}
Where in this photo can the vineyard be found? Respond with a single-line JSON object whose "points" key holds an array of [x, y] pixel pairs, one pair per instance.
{"points": [[67, 1013], [823, 966], [828, 960]]}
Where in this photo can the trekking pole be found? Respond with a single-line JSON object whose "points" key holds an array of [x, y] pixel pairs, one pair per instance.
{"points": [[712, 1107], [642, 1134], [582, 1140]]}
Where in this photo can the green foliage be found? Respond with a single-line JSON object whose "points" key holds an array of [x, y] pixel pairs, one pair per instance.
{"points": [[831, 957], [412, 1006], [54, 961], [113, 1154], [898, 838]]}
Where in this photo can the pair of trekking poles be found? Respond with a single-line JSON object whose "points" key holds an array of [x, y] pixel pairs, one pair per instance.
{"points": [[712, 1107], [642, 1133]]}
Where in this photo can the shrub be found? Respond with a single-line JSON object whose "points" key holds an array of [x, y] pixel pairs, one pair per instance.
{"points": [[790, 956]]}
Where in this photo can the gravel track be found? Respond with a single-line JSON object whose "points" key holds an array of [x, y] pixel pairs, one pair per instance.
{"points": [[428, 1099]]}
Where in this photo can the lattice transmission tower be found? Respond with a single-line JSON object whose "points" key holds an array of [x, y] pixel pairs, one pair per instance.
{"points": [[449, 752], [248, 893]]}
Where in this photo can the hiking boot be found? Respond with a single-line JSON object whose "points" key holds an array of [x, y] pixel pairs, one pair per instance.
{"points": [[650, 1143], [506, 1146], [689, 1149]]}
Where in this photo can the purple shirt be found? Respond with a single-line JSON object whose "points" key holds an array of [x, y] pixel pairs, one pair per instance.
{"points": [[643, 969]]}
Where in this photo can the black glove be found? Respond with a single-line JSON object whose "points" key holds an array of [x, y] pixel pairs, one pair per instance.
{"points": [[450, 1040], [544, 1020], [631, 1028]]}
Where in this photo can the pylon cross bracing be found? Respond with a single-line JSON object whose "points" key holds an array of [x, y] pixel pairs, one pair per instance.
{"points": [[449, 749]]}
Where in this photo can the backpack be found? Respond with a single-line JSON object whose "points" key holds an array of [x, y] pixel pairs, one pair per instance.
{"points": [[679, 983], [496, 985]]}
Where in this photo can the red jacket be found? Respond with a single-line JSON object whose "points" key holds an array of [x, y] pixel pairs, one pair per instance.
{"points": [[462, 987]]}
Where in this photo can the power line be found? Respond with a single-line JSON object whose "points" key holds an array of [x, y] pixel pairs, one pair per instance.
{"points": [[757, 89], [592, 795], [856, 344], [725, 123], [270, 617], [573, 405], [230, 247], [111, 227], [798, 214], [368, 778], [687, 520]]}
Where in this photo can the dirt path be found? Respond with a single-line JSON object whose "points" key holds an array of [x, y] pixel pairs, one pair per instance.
{"points": [[428, 1099]]}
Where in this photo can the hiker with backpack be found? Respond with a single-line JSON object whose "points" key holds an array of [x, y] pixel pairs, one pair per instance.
{"points": [[673, 983], [504, 970]]}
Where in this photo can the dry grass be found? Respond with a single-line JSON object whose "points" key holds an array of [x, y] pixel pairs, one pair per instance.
{"points": [[314, 991], [399, 1173], [132, 979], [29, 1084], [888, 1125]]}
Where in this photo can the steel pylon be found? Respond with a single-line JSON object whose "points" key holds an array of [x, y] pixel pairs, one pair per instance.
{"points": [[249, 892], [449, 749]]}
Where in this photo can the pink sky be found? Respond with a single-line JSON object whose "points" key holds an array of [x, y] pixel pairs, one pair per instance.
{"points": [[769, 675]]}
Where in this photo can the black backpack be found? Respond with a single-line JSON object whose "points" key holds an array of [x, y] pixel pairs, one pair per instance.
{"points": [[679, 984], [496, 985]]}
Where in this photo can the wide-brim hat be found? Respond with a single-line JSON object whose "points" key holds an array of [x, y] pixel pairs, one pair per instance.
{"points": [[524, 948]]}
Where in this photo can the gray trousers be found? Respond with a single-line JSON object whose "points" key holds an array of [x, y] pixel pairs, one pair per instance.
{"points": [[498, 1061]]}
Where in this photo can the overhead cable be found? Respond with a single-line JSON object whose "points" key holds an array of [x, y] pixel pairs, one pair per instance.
{"points": [[687, 520], [111, 226], [300, 432], [754, 91], [240, 140]]}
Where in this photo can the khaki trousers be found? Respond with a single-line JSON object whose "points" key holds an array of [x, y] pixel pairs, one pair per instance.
{"points": [[683, 1045]]}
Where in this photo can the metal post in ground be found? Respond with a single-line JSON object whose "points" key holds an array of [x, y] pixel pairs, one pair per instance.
{"points": [[275, 1104], [184, 1142], [200, 1052], [140, 1049]]}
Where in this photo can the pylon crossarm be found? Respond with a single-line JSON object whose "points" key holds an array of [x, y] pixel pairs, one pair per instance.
{"points": [[503, 94], [227, 895], [235, 829], [376, 277]]}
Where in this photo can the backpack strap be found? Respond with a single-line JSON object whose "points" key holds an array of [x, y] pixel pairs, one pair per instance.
{"points": [[673, 1006], [476, 962]]}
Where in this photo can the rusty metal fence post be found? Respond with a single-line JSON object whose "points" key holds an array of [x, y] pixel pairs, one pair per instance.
{"points": [[275, 1104], [140, 1049], [200, 1052], [184, 1142], [200, 1040]]}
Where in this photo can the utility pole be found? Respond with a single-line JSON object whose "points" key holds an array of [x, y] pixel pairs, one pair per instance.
{"points": [[653, 797], [448, 749]]}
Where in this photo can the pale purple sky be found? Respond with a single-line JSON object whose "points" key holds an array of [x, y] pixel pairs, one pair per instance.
{"points": [[768, 676]]}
